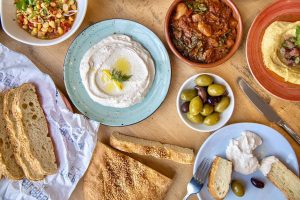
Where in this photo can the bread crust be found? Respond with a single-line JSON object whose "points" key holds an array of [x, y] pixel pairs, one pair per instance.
{"points": [[8, 165], [273, 176], [17, 109], [212, 178], [113, 175], [139, 146], [24, 129], [31, 168], [25, 150]]}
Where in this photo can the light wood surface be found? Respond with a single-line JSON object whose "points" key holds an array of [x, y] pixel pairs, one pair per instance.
{"points": [[165, 125]]}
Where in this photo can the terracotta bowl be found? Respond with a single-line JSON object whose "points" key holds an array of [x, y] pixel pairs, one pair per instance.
{"points": [[281, 10], [236, 15]]}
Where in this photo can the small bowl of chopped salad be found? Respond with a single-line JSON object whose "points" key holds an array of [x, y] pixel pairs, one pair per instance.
{"points": [[42, 22]]}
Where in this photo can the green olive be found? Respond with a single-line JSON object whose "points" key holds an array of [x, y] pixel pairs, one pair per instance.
{"points": [[238, 188], [188, 95], [204, 80], [196, 106], [216, 90], [223, 104], [212, 119], [207, 110], [197, 119]]}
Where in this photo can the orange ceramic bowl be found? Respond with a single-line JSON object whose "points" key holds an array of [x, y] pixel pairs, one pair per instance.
{"points": [[281, 10], [237, 43]]}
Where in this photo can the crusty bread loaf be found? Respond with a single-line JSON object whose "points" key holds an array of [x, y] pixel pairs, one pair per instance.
{"points": [[24, 157], [220, 178], [8, 164], [285, 180], [156, 149], [113, 175], [31, 118]]}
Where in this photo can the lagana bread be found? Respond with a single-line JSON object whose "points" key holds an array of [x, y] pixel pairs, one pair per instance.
{"points": [[8, 164], [131, 144], [32, 121], [219, 178], [115, 176], [285, 180]]}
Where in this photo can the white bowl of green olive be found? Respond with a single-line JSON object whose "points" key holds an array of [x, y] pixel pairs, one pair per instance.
{"points": [[205, 102]]}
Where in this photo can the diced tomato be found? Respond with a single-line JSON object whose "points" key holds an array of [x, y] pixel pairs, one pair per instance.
{"points": [[66, 26], [21, 19]]}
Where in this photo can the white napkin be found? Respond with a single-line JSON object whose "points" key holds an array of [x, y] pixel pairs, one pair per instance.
{"points": [[74, 136]]}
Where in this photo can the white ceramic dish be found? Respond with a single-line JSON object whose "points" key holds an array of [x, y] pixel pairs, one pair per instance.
{"points": [[225, 116], [12, 28], [273, 144]]}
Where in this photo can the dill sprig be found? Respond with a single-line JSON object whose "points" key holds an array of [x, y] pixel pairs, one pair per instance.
{"points": [[119, 76]]}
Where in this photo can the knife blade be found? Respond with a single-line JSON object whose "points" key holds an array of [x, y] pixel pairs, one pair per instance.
{"points": [[266, 109]]}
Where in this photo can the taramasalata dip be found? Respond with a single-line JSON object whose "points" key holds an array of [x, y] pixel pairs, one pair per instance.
{"points": [[117, 72], [240, 152]]}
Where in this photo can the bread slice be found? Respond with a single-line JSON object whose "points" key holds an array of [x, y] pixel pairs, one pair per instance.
{"points": [[285, 180], [24, 157], [220, 178], [113, 175], [31, 120], [152, 148], [8, 164]]}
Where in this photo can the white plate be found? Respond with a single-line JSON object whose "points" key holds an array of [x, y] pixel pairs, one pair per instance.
{"points": [[225, 116], [273, 144]]}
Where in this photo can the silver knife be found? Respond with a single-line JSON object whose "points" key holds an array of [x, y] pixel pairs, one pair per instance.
{"points": [[266, 109]]}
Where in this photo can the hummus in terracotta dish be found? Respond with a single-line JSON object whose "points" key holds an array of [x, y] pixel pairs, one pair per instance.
{"points": [[281, 50], [117, 72]]}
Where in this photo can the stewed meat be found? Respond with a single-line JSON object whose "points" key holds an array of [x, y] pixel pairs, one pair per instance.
{"points": [[203, 31]]}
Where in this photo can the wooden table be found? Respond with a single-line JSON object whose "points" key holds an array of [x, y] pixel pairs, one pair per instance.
{"points": [[165, 125]]}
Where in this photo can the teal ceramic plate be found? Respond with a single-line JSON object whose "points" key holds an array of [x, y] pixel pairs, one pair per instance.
{"points": [[109, 115]]}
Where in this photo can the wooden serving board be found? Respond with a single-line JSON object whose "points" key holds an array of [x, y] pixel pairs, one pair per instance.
{"points": [[165, 125]]}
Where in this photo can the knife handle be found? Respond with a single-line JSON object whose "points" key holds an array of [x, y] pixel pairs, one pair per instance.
{"points": [[290, 131]]}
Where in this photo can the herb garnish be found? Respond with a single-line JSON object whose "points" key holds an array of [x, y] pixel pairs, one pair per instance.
{"points": [[197, 6], [119, 76], [23, 4], [297, 36], [45, 11]]}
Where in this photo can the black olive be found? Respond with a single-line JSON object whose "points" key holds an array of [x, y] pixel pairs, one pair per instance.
{"points": [[257, 183], [202, 93], [185, 107], [214, 100]]}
